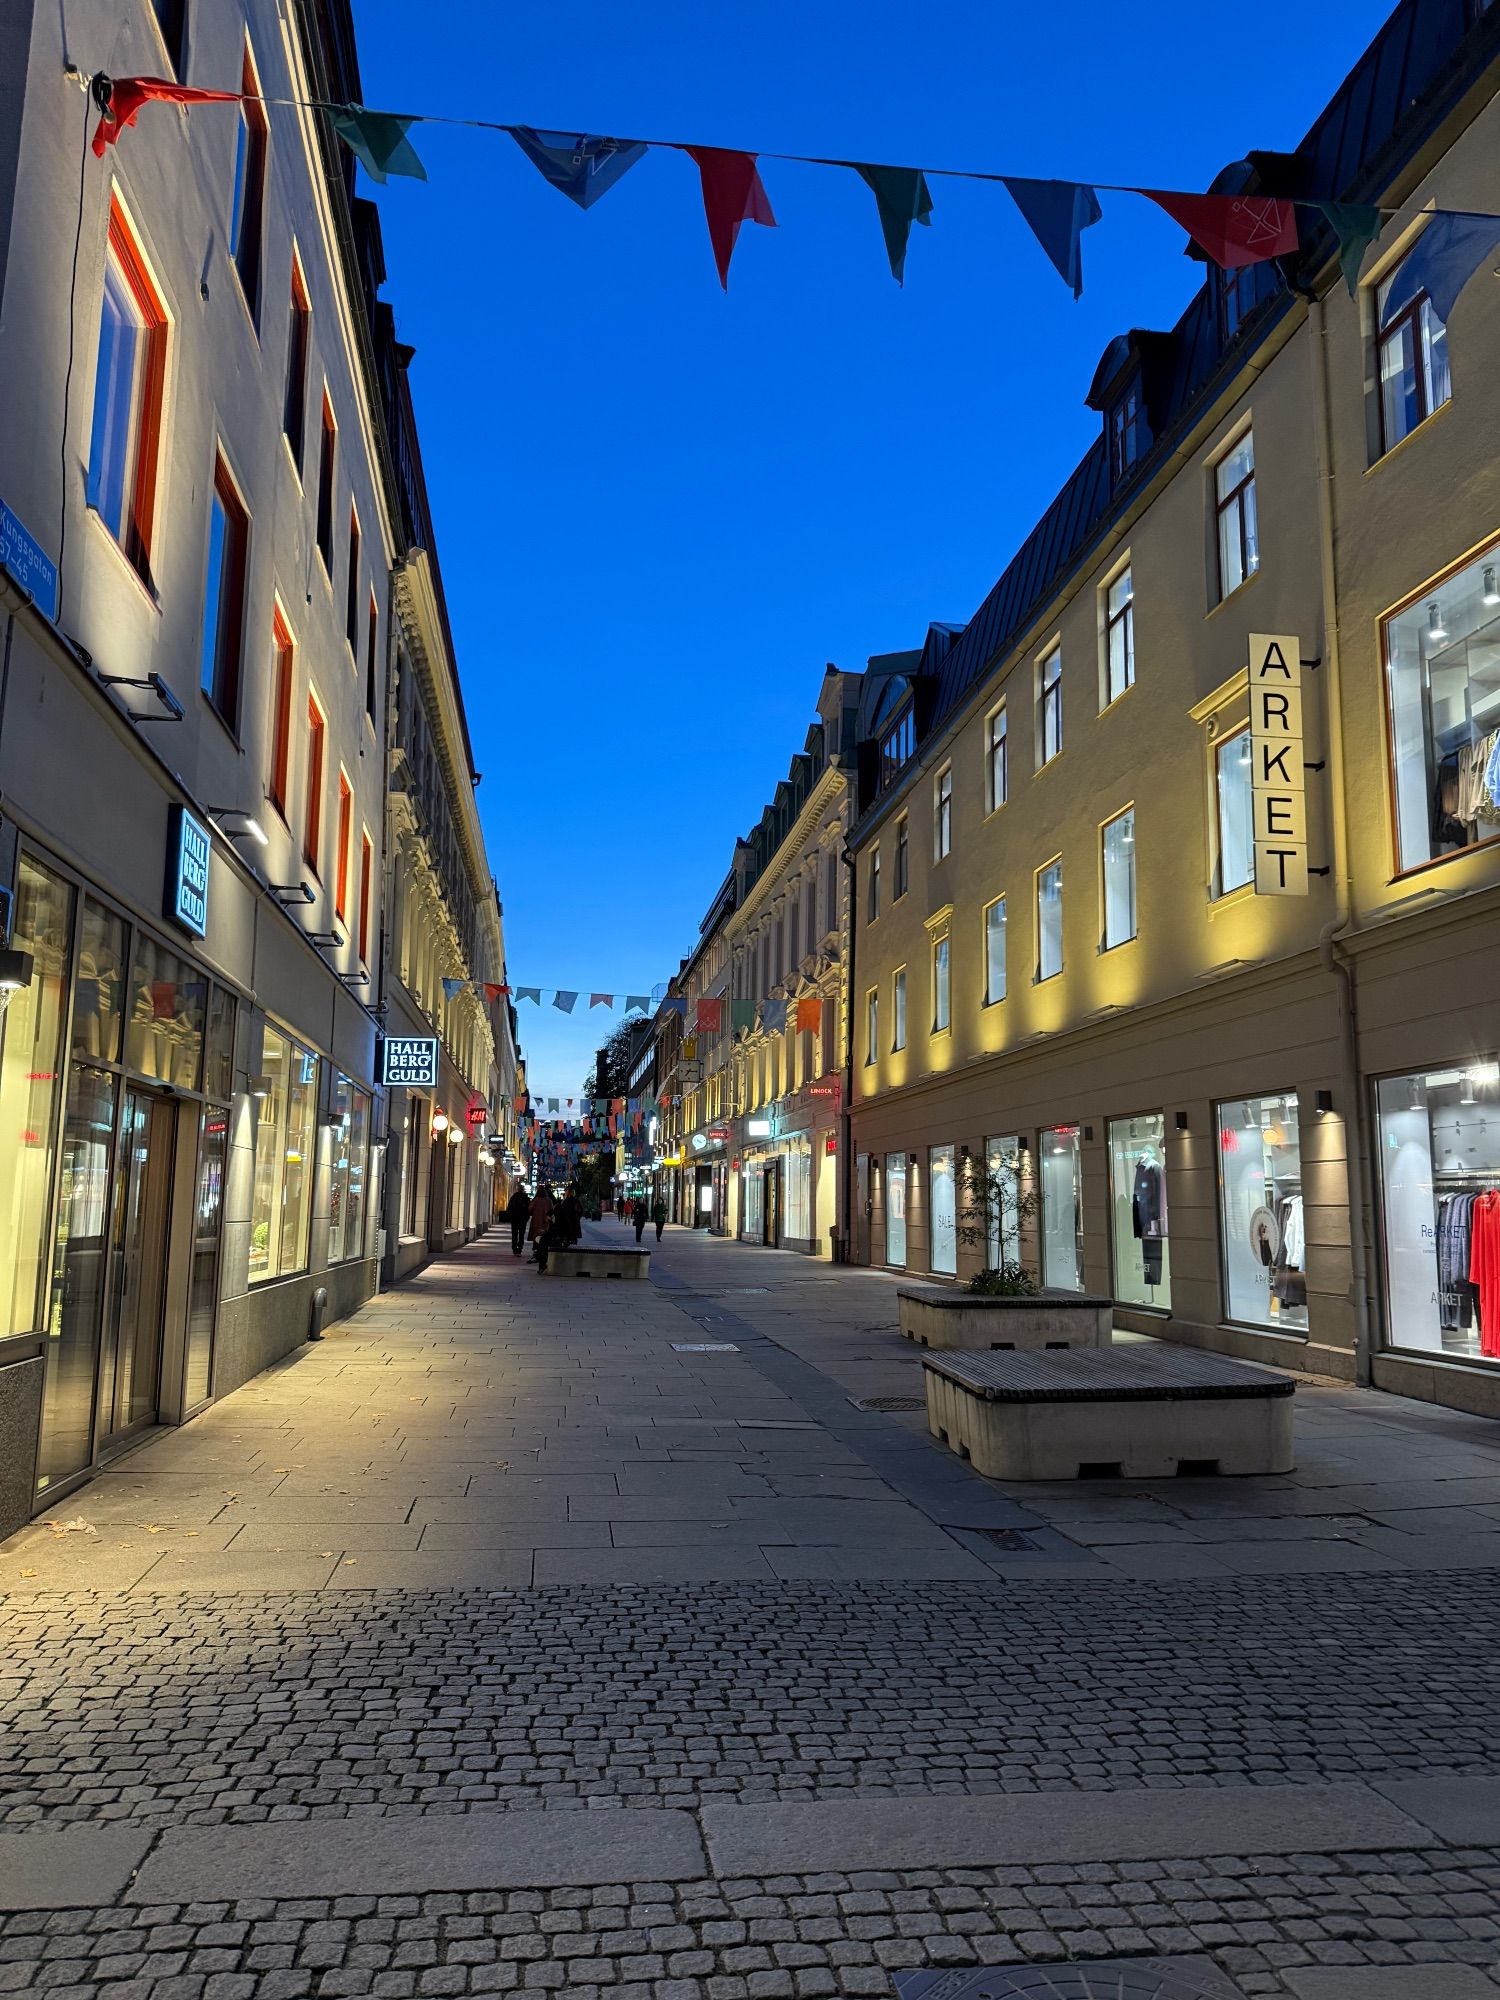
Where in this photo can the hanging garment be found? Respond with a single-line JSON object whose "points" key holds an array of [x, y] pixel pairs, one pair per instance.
{"points": [[1288, 1284], [1148, 1200], [1473, 800], [1151, 1249], [1448, 829], [1487, 779], [1484, 1267], [1455, 1292]]}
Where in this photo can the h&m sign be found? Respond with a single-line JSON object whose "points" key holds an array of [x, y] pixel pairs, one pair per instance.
{"points": [[1278, 781]]}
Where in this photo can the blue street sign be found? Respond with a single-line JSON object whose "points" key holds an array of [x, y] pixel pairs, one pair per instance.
{"points": [[27, 562]]}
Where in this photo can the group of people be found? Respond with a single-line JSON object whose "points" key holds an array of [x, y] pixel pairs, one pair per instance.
{"points": [[557, 1223]]}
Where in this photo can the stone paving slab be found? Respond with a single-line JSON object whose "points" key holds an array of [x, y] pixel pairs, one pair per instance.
{"points": [[964, 1832], [76, 1865], [1392, 1982], [1466, 1810], [406, 1854]]}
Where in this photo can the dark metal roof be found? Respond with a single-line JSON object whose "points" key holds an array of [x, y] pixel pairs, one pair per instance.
{"points": [[1408, 79]]}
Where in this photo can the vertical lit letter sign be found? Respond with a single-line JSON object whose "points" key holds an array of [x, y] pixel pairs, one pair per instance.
{"points": [[1278, 783]]}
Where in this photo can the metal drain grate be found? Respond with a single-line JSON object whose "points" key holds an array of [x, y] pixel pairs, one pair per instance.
{"points": [[888, 1403], [704, 1347], [1005, 1538], [1104, 1979]]}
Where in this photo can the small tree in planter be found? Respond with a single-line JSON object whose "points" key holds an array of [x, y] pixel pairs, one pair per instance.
{"points": [[994, 1205]]}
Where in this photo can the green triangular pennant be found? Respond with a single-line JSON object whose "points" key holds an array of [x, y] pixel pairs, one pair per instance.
{"points": [[378, 141], [902, 198], [1356, 225]]}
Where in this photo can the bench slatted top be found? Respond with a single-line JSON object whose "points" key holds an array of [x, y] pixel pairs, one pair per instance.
{"points": [[1100, 1375]]}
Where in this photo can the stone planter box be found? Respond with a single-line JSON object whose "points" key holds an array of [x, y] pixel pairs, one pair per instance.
{"points": [[579, 1263], [1047, 1319], [1132, 1413]]}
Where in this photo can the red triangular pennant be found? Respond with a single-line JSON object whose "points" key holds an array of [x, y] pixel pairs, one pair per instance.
{"points": [[1233, 229], [128, 95], [732, 194]]}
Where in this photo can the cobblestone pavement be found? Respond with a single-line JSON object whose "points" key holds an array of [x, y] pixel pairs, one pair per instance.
{"points": [[504, 1546]]}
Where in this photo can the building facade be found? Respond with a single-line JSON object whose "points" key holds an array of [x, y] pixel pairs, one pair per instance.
{"points": [[1183, 855], [201, 521]]}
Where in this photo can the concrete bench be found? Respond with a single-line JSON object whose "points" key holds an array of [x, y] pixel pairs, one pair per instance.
{"points": [[1129, 1412], [972, 1320], [581, 1263]]}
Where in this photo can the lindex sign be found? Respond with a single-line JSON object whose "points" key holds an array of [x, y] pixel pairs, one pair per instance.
{"points": [[1278, 779]]}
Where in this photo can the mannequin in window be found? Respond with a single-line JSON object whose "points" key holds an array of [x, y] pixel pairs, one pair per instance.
{"points": [[1148, 1213]]}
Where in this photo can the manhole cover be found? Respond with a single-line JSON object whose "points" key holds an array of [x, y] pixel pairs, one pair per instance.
{"points": [[1105, 1979], [1005, 1538], [888, 1402], [704, 1347]]}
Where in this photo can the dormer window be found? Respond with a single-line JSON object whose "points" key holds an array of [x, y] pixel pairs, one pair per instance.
{"points": [[1236, 296], [1125, 431], [895, 729]]}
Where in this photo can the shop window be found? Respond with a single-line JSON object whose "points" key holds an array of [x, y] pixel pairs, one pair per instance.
{"points": [[1049, 914], [942, 1210], [994, 951], [872, 1025], [248, 205], [81, 1290], [942, 814], [312, 825], [797, 1193], [456, 1178], [1261, 1214], [1138, 1210], [1234, 863], [1236, 525], [996, 760], [99, 988], [1049, 715], [895, 1208], [218, 1045], [298, 349], [1119, 637], [1412, 348], [942, 997], [283, 666], [1439, 1137], [164, 1029], [203, 1280], [328, 441], [348, 1170], [1062, 1209], [129, 376], [1117, 864], [224, 595], [30, 1066], [902, 868], [1442, 657], [872, 887], [1002, 1160], [285, 1142]]}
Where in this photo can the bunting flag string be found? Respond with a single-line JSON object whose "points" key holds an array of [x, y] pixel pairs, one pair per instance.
{"points": [[1230, 230], [564, 998]]}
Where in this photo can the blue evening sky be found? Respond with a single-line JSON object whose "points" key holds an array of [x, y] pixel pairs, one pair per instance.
{"points": [[661, 510]]}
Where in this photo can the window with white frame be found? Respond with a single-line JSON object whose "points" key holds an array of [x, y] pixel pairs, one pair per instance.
{"points": [[1117, 860], [1236, 527], [942, 1011], [872, 1024], [1119, 636], [1412, 350], [996, 760], [1049, 914], [942, 813], [994, 951], [1234, 864], [1049, 718], [898, 1008]]}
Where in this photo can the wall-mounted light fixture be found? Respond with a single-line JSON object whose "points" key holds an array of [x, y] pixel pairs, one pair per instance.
{"points": [[16, 967], [260, 1086], [1322, 1102], [455, 1137], [1023, 1144], [1182, 1121], [439, 1121], [249, 827], [293, 892]]}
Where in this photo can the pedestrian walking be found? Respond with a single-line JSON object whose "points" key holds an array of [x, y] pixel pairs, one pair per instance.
{"points": [[542, 1209], [659, 1215], [620, 1203], [518, 1214], [638, 1216], [569, 1219]]}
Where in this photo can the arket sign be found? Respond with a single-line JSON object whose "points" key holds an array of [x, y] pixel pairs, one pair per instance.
{"points": [[1278, 783]]}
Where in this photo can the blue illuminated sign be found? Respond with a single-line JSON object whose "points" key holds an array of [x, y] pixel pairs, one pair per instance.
{"points": [[188, 847], [27, 562]]}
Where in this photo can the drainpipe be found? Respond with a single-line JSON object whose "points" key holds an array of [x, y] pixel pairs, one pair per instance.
{"points": [[846, 1164], [1335, 962]]}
